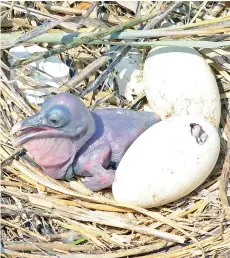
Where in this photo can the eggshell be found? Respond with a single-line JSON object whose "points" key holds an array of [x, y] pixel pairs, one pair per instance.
{"points": [[55, 71], [178, 81], [52, 71], [129, 75], [166, 163]]}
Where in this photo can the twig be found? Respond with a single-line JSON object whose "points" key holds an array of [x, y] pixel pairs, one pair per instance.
{"points": [[65, 10], [17, 184], [61, 210], [217, 9], [105, 73], [83, 40], [37, 13], [224, 179], [221, 22], [226, 168], [199, 11], [123, 53], [30, 11], [12, 156], [130, 34], [90, 9], [88, 12], [95, 65], [117, 254], [25, 255], [25, 247], [11, 9], [184, 43], [161, 17], [3, 16], [32, 34], [16, 98], [27, 231]]}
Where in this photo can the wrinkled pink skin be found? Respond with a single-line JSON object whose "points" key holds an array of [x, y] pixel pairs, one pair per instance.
{"points": [[88, 144]]}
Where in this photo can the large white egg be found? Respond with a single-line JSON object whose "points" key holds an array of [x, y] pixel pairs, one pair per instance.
{"points": [[178, 81], [167, 162]]}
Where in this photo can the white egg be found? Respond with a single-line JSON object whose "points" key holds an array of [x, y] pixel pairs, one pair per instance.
{"points": [[168, 161], [178, 81]]}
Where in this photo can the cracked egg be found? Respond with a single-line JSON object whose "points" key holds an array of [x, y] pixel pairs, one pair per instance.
{"points": [[167, 162]]}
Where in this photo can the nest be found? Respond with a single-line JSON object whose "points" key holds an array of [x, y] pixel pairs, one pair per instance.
{"points": [[42, 217]]}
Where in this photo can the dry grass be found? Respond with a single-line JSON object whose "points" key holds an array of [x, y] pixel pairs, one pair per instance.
{"points": [[42, 217]]}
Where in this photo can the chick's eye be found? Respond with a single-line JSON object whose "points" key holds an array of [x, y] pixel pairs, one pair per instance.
{"points": [[53, 121], [58, 116]]}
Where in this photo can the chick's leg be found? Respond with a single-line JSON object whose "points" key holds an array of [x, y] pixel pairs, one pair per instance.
{"points": [[102, 178], [98, 160]]}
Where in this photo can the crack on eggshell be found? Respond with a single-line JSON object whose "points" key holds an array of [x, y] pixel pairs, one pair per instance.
{"points": [[198, 132]]}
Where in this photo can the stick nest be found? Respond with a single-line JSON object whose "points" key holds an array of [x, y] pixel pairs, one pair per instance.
{"points": [[42, 217]]}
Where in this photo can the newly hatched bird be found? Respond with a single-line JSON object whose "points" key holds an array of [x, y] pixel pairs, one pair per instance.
{"points": [[66, 139]]}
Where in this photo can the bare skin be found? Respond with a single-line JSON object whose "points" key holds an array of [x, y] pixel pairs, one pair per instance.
{"points": [[65, 139]]}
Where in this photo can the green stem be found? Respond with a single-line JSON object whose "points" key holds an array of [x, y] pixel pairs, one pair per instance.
{"points": [[79, 241], [65, 38], [84, 40], [184, 43]]}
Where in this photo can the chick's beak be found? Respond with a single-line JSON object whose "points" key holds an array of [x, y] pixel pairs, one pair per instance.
{"points": [[27, 129], [30, 122], [17, 127]]}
